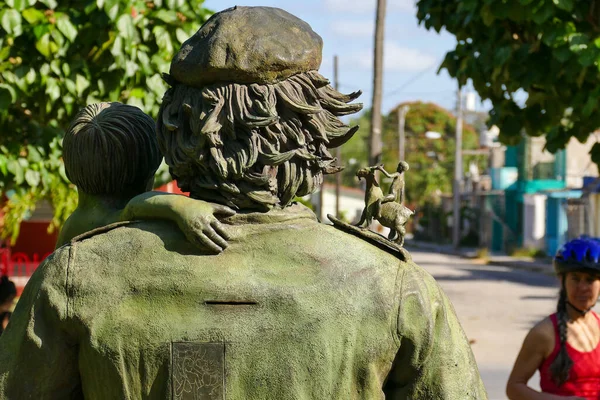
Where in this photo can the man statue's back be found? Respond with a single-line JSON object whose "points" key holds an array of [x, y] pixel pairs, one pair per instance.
{"points": [[292, 309]]}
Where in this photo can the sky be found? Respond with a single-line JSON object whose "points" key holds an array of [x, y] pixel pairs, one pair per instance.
{"points": [[412, 54]]}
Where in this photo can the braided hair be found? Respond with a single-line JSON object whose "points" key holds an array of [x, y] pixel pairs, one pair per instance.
{"points": [[561, 366]]}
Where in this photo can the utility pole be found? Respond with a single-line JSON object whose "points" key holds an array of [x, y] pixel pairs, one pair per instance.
{"points": [[402, 111], [375, 134], [338, 151], [458, 171]]}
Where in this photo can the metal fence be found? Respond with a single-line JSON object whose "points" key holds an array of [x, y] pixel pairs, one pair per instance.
{"points": [[487, 223], [579, 217], [479, 210]]}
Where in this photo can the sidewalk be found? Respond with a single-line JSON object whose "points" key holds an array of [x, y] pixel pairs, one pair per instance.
{"points": [[543, 266]]}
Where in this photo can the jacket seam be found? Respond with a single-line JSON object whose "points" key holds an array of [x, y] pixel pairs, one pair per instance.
{"points": [[68, 288], [399, 284]]}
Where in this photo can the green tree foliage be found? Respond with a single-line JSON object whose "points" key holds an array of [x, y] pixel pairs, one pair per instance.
{"points": [[57, 56], [431, 161], [550, 49]]}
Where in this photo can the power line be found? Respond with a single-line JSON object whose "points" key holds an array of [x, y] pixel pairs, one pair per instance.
{"points": [[411, 80], [446, 92], [427, 93]]}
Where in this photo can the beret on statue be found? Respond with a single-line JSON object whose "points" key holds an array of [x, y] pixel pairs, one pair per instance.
{"points": [[248, 45]]}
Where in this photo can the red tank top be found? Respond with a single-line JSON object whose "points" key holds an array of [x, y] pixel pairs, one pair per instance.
{"points": [[584, 378]]}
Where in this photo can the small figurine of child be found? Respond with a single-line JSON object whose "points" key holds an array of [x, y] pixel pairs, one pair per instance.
{"points": [[396, 192]]}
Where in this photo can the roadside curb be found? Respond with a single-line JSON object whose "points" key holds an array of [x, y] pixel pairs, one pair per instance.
{"points": [[440, 248], [523, 264]]}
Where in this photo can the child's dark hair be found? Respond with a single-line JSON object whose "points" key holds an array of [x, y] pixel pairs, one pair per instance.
{"points": [[7, 289], [111, 148]]}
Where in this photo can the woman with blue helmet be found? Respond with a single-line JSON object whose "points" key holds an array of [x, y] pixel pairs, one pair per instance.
{"points": [[565, 347]]}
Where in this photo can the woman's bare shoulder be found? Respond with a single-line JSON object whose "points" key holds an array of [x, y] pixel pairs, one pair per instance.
{"points": [[542, 336]]}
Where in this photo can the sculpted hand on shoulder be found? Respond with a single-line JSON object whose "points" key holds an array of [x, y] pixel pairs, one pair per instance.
{"points": [[200, 225], [197, 219]]}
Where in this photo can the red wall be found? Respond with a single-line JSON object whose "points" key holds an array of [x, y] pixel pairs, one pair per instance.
{"points": [[171, 187], [34, 239], [32, 247]]}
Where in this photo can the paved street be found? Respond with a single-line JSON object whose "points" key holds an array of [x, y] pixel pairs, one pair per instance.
{"points": [[496, 306]]}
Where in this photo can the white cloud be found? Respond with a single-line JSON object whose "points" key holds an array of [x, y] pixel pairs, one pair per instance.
{"points": [[362, 6], [396, 58], [363, 29], [353, 29]]}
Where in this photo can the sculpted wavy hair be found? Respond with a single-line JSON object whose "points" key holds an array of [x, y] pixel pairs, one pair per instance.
{"points": [[111, 149], [254, 146]]}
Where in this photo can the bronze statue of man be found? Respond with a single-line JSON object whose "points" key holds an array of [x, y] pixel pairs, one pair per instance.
{"points": [[292, 309]]}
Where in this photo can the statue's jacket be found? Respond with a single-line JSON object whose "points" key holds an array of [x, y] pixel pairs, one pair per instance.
{"points": [[292, 309]]}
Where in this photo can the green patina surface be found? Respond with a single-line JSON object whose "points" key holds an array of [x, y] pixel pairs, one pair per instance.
{"points": [[299, 309], [248, 45], [292, 309], [193, 217]]}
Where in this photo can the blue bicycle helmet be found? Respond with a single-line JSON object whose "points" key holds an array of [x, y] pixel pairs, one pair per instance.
{"points": [[581, 254]]}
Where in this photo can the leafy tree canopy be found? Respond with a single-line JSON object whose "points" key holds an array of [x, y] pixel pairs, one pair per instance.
{"points": [[550, 49], [58, 56], [431, 161]]}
